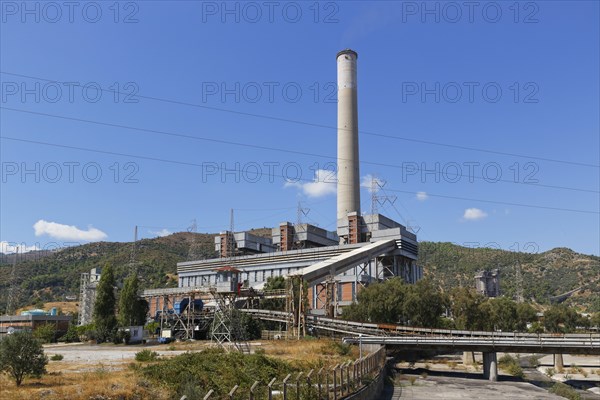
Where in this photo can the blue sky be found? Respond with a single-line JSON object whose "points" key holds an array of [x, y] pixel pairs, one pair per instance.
{"points": [[505, 92]]}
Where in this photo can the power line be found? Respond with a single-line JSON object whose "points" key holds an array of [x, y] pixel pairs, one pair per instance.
{"points": [[316, 125], [298, 179], [269, 148]]}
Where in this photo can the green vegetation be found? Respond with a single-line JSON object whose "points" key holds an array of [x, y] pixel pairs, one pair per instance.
{"points": [[566, 391], [194, 372], [146, 355], [56, 357], [132, 309], [560, 318], [511, 365], [546, 274], [104, 308], [50, 275], [395, 301], [72, 334], [22, 355], [45, 333]]}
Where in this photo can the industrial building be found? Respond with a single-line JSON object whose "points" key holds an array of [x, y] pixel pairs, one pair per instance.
{"points": [[487, 283], [334, 265], [33, 319]]}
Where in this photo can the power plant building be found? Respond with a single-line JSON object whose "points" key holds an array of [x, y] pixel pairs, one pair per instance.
{"points": [[364, 248]]}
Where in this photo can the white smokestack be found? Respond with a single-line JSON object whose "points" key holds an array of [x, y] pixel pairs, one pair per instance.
{"points": [[348, 187]]}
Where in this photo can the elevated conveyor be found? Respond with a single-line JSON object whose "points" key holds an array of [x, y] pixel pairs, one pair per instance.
{"points": [[336, 265]]}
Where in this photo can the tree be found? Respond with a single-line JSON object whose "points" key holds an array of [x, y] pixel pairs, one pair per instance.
{"points": [[499, 314], [379, 302], [465, 309], [21, 355], [132, 309], [424, 304], [595, 321], [560, 318], [105, 321], [525, 314]]}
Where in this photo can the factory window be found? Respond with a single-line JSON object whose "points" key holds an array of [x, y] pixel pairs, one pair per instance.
{"points": [[255, 276], [264, 275], [280, 272], [272, 273]]}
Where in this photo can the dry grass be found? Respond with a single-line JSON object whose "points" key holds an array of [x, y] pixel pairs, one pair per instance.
{"points": [[310, 351], [114, 380], [100, 383]]}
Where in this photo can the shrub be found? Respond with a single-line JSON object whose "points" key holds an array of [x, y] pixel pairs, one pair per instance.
{"points": [[21, 355], [550, 372], [71, 336], [563, 390], [146, 355], [338, 348], [511, 365], [45, 333], [534, 361], [57, 357]]}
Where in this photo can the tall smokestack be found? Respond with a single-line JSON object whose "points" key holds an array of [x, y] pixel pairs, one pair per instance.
{"points": [[348, 186]]}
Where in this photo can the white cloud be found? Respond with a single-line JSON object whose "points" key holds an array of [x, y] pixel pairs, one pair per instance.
{"points": [[161, 233], [422, 196], [323, 184], [11, 247], [474, 214], [368, 180], [67, 232]]}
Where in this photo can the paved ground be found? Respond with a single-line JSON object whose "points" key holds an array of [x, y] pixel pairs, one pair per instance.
{"points": [[449, 388], [78, 357]]}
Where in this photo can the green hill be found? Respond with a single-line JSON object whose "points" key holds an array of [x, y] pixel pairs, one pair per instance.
{"points": [[53, 275]]}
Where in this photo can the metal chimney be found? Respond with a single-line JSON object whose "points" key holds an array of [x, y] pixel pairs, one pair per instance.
{"points": [[348, 186]]}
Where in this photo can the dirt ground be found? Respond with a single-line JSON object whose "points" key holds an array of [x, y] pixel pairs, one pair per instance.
{"points": [[102, 371]]}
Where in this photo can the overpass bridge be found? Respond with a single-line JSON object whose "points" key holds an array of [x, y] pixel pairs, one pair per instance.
{"points": [[489, 343]]}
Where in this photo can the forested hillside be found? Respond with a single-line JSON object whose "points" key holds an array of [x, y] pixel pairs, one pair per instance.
{"points": [[51, 276], [546, 274]]}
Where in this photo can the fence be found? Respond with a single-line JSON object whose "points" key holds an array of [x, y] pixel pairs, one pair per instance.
{"points": [[328, 383]]}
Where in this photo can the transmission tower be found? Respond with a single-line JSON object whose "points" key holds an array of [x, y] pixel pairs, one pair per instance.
{"points": [[12, 290], [377, 200], [132, 263], [300, 212], [519, 280], [230, 236], [193, 253]]}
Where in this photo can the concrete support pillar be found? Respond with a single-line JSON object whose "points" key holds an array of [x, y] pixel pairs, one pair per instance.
{"points": [[558, 362], [468, 358], [490, 366]]}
